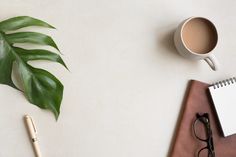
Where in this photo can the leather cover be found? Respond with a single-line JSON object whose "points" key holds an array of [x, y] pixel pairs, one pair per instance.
{"points": [[184, 143]]}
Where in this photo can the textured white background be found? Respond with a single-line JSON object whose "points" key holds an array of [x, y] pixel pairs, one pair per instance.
{"points": [[126, 82]]}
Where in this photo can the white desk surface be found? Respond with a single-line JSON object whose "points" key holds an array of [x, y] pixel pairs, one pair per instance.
{"points": [[126, 85]]}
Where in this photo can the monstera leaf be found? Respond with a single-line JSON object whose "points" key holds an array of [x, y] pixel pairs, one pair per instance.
{"points": [[39, 86]]}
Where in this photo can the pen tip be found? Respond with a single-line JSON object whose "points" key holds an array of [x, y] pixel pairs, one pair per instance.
{"points": [[26, 116]]}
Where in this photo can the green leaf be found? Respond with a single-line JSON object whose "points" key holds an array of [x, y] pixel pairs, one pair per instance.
{"points": [[40, 87], [6, 63], [21, 22], [38, 54], [32, 38]]}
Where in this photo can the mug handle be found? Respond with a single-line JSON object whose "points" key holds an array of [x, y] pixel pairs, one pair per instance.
{"points": [[213, 62]]}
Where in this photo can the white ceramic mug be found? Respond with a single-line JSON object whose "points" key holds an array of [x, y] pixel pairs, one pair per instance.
{"points": [[187, 52]]}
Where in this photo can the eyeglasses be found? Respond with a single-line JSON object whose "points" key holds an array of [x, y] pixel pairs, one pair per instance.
{"points": [[203, 132]]}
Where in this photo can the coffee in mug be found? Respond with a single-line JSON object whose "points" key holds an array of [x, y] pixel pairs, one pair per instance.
{"points": [[195, 38]]}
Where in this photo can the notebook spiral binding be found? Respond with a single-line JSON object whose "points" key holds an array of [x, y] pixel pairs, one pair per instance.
{"points": [[224, 83]]}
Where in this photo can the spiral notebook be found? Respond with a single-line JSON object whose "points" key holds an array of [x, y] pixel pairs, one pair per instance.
{"points": [[223, 94]]}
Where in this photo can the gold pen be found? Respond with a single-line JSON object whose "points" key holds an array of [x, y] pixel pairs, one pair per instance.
{"points": [[33, 135]]}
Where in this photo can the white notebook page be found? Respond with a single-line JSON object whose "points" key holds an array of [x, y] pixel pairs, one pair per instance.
{"points": [[224, 99]]}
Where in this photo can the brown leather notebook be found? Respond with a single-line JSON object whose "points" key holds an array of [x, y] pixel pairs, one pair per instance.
{"points": [[184, 143]]}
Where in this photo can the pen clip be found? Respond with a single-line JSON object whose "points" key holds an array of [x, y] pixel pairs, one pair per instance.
{"points": [[32, 122]]}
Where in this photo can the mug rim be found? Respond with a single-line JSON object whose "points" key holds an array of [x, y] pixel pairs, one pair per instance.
{"points": [[181, 35]]}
